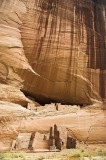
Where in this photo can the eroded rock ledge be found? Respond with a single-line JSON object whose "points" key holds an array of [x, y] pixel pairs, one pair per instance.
{"points": [[63, 41], [86, 126], [53, 51]]}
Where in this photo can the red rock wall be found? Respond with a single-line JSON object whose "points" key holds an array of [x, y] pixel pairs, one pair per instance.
{"points": [[63, 41]]}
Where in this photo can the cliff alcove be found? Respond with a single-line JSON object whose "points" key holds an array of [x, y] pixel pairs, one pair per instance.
{"points": [[53, 51], [56, 50]]}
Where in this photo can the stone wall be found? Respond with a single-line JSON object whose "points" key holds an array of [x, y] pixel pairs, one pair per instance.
{"points": [[22, 141], [41, 142]]}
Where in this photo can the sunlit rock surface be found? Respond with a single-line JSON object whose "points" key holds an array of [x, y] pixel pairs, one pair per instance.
{"points": [[12, 94], [63, 41], [53, 51], [87, 126]]}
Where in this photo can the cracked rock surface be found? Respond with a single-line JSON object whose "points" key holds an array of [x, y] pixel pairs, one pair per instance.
{"points": [[53, 51], [85, 125], [62, 41]]}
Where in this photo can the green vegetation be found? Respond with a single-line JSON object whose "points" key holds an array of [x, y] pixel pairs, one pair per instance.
{"points": [[11, 156], [74, 154]]}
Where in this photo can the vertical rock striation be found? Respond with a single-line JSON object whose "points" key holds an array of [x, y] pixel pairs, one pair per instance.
{"points": [[63, 41]]}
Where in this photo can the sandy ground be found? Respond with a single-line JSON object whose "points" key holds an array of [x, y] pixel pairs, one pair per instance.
{"points": [[71, 154]]}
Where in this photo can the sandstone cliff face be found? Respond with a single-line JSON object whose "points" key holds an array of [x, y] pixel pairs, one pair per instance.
{"points": [[64, 42], [87, 126], [52, 50], [12, 55]]}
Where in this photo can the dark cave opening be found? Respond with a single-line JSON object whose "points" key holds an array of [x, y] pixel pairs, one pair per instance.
{"points": [[42, 100], [71, 143]]}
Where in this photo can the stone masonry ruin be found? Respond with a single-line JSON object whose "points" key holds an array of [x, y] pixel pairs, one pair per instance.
{"points": [[56, 139]]}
